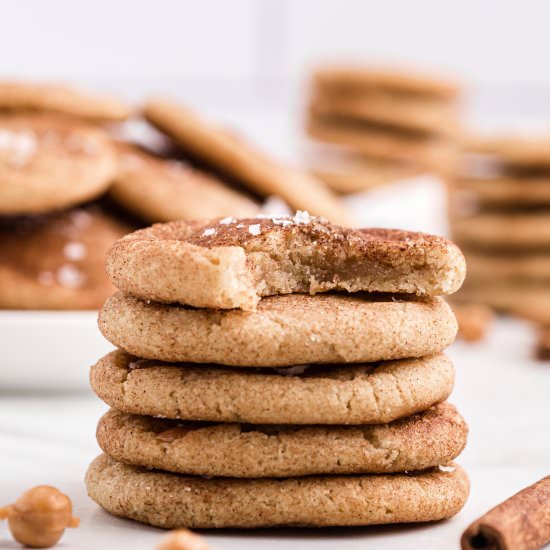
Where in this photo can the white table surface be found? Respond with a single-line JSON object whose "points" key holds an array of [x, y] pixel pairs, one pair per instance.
{"points": [[501, 391]]}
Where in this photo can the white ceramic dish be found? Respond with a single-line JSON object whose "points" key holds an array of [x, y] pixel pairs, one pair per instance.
{"points": [[48, 350]]}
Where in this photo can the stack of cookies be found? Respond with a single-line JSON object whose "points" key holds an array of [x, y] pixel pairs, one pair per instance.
{"points": [[278, 371], [500, 216], [382, 125], [55, 157]]}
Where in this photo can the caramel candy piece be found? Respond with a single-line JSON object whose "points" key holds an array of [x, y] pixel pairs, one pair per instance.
{"points": [[182, 539], [39, 516]]}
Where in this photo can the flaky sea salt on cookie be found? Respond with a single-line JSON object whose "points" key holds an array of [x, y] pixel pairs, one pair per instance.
{"points": [[230, 263]]}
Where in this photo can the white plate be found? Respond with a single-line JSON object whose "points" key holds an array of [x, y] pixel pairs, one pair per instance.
{"points": [[49, 350]]}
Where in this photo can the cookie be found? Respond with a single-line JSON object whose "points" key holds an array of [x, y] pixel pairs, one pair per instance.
{"points": [[503, 230], [356, 79], [511, 151], [504, 191], [425, 117], [232, 156], [508, 266], [161, 190], [57, 261], [231, 263], [171, 501], [379, 142], [49, 163], [530, 300], [285, 330], [433, 437], [60, 99], [340, 394], [346, 172]]}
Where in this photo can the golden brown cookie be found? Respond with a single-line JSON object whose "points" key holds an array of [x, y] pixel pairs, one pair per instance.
{"points": [[515, 151], [230, 155], [161, 190], [171, 501], [504, 191], [530, 300], [503, 230], [284, 330], [48, 163], [474, 320], [231, 263], [57, 261], [348, 172], [356, 79], [416, 115], [340, 394], [380, 142], [61, 99], [490, 266], [424, 440]]}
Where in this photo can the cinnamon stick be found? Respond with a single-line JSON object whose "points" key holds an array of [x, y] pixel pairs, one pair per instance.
{"points": [[520, 523]]}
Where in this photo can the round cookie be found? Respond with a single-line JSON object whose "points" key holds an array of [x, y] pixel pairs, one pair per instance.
{"points": [[171, 501], [510, 191], [503, 230], [508, 266], [285, 330], [231, 263], [49, 163], [414, 115], [56, 261], [230, 155], [433, 437], [356, 79], [161, 190], [60, 99], [379, 142], [342, 394]]}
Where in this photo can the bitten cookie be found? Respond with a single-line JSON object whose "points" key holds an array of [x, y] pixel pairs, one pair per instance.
{"points": [[49, 163], [171, 501], [59, 99], [341, 394], [285, 330], [231, 263], [161, 190], [427, 439], [234, 157], [56, 261]]}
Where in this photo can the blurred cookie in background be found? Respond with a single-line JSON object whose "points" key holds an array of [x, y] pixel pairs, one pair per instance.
{"points": [[159, 189], [48, 163], [62, 100], [399, 116], [474, 320], [56, 261], [347, 172], [232, 157]]}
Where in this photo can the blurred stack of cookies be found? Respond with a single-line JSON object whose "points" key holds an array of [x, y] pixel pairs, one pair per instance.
{"points": [[500, 216], [69, 189], [246, 393], [381, 126], [55, 159]]}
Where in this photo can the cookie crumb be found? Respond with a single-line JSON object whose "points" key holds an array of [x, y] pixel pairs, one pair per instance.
{"points": [[446, 468], [255, 229], [208, 232], [301, 217], [227, 221], [183, 539]]}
